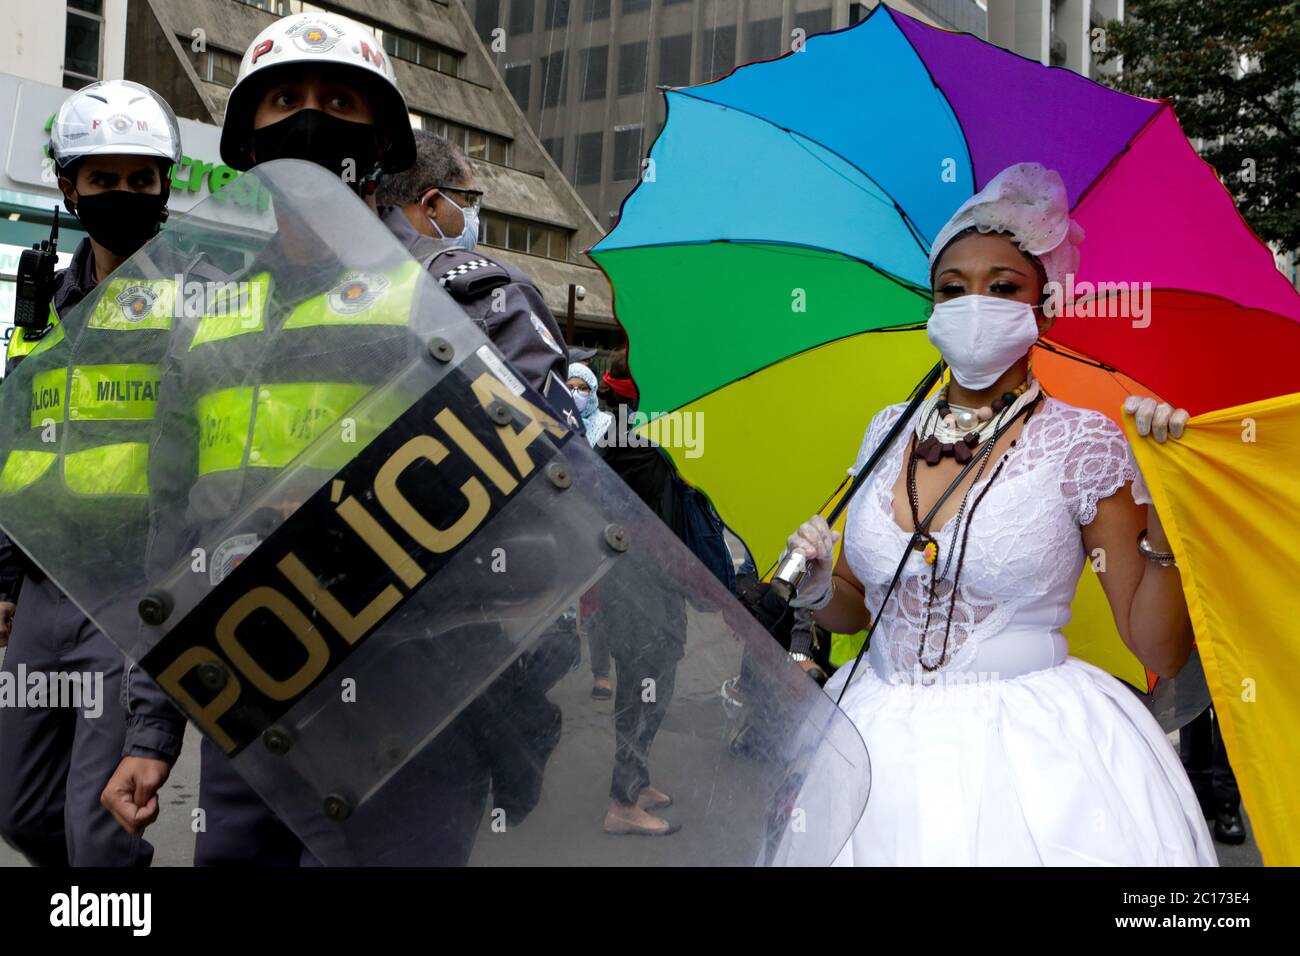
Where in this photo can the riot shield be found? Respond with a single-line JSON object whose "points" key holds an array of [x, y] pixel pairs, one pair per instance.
{"points": [[1177, 701], [277, 465]]}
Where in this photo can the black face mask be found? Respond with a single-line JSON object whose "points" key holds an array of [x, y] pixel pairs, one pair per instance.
{"points": [[122, 221], [321, 139]]}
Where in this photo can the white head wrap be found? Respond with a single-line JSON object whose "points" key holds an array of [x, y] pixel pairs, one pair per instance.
{"points": [[1029, 202]]}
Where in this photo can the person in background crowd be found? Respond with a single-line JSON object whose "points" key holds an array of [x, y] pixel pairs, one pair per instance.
{"points": [[582, 386], [1205, 759], [636, 720]]}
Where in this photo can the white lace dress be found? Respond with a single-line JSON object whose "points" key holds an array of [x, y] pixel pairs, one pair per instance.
{"points": [[1009, 752]]}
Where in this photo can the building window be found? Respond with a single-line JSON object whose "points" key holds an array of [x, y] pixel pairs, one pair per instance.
{"points": [[631, 68], [553, 79], [557, 14], [675, 60], [82, 42], [555, 147], [634, 6], [477, 143], [718, 51], [403, 46], [212, 65], [627, 152], [521, 16], [487, 14], [813, 22], [595, 69], [858, 12], [589, 158], [522, 235], [764, 39], [596, 10], [519, 77]]}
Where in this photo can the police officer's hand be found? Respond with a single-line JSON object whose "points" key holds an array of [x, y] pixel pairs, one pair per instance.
{"points": [[6, 621], [132, 792]]}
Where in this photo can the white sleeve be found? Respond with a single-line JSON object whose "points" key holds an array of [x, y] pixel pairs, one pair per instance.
{"points": [[1098, 463], [875, 434]]}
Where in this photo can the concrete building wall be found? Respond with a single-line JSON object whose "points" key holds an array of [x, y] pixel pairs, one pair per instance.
{"points": [[685, 42]]}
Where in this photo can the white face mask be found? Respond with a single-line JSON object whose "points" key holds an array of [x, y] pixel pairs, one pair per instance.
{"points": [[981, 336]]}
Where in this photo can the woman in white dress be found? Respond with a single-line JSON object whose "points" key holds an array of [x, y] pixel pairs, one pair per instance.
{"points": [[989, 745]]}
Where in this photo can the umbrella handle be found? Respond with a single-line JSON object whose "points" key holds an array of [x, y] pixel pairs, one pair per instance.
{"points": [[791, 571]]}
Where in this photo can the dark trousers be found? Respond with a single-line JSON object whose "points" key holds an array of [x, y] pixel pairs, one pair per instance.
{"points": [[598, 648], [55, 761], [1205, 759], [443, 782], [239, 828], [637, 720]]}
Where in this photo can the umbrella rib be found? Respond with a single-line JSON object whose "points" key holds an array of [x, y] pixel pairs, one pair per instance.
{"points": [[1119, 154], [952, 110], [912, 228], [776, 243]]}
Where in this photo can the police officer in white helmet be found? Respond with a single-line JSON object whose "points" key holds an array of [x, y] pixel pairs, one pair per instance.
{"points": [[113, 144], [316, 87]]}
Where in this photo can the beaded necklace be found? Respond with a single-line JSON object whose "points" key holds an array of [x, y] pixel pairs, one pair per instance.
{"points": [[929, 544]]}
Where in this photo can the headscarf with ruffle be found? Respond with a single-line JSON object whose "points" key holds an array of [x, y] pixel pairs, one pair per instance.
{"points": [[1029, 202]]}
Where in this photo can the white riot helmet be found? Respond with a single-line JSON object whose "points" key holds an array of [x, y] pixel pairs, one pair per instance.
{"points": [[316, 40], [117, 118]]}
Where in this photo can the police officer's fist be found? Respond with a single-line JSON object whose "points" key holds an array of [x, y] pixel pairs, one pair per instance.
{"points": [[132, 792], [6, 621]]}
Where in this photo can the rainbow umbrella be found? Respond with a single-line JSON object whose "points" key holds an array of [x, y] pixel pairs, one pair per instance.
{"points": [[771, 273]]}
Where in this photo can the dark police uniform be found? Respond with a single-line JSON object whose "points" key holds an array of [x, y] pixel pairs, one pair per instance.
{"points": [[504, 303], [88, 426]]}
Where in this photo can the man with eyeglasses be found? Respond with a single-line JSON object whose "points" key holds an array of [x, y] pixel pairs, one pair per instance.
{"points": [[433, 208]]}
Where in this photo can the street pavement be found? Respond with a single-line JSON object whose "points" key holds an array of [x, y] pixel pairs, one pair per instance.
{"points": [[719, 797]]}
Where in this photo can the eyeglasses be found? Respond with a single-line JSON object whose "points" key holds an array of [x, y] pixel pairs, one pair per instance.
{"points": [[476, 195]]}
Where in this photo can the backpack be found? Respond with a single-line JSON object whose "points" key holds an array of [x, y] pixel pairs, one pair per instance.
{"points": [[696, 522]]}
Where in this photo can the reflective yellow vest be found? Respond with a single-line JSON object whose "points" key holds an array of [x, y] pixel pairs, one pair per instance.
{"points": [[21, 345], [268, 425], [67, 397]]}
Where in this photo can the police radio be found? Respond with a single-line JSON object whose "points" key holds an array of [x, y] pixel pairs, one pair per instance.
{"points": [[36, 283]]}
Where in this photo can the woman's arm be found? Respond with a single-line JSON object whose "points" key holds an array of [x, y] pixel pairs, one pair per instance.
{"points": [[1146, 598], [847, 612]]}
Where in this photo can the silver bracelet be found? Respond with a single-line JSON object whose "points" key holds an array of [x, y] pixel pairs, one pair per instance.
{"points": [[1163, 558]]}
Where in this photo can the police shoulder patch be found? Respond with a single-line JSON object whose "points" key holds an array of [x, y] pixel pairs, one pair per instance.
{"points": [[467, 275]]}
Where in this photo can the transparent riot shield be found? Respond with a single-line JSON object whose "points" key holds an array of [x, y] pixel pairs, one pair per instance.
{"points": [[1177, 701], [272, 459]]}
